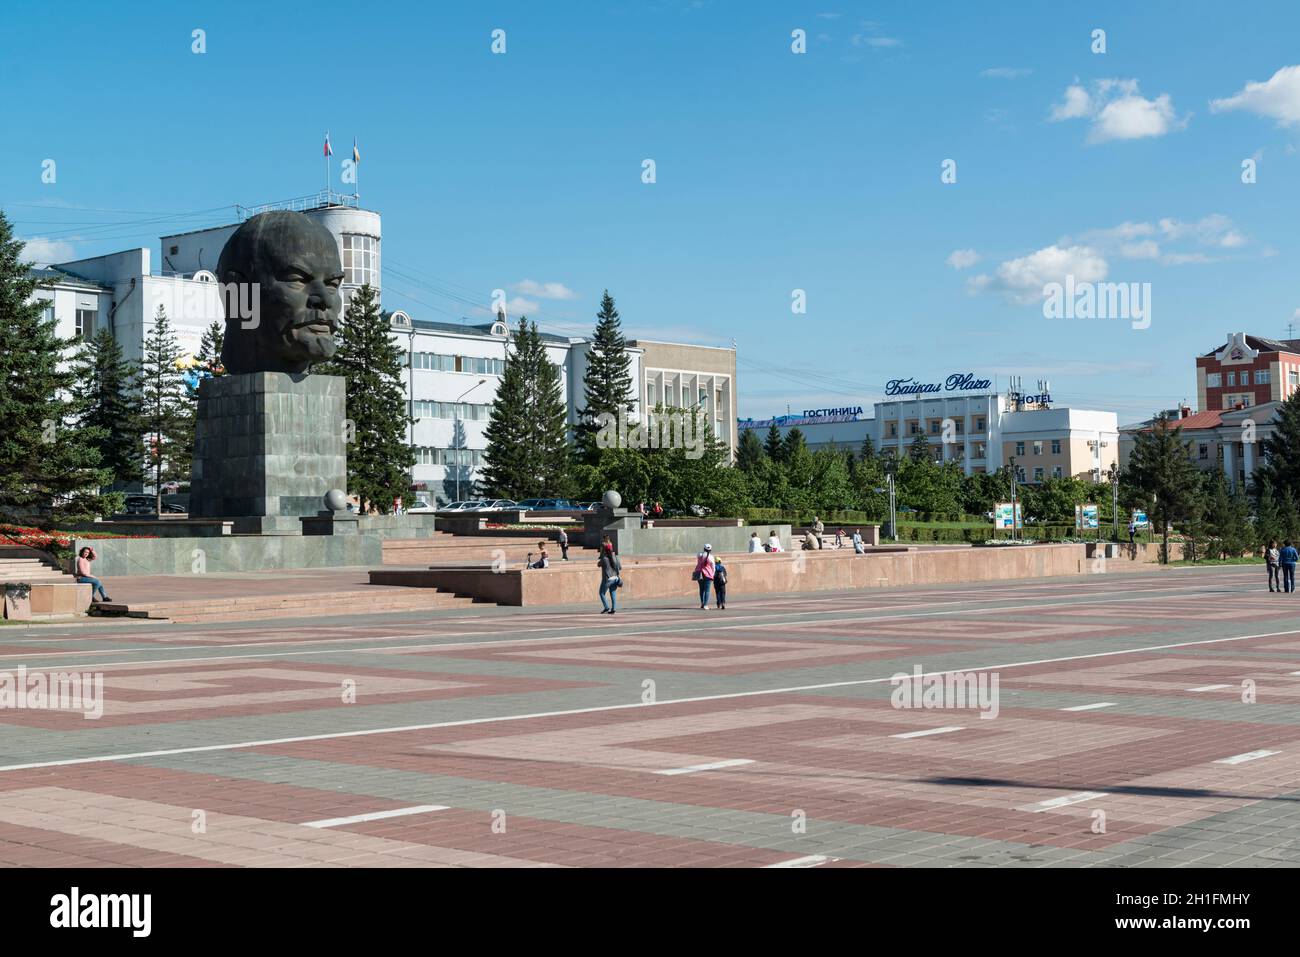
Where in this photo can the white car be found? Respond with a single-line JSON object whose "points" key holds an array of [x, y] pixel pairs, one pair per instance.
{"points": [[457, 507], [496, 505], [420, 505]]}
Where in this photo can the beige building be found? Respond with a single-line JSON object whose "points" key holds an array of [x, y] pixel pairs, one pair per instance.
{"points": [[1060, 443], [683, 376]]}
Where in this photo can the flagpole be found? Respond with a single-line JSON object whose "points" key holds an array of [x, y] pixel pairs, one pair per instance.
{"points": [[326, 151]]}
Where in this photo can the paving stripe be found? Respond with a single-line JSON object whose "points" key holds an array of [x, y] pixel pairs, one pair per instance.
{"points": [[812, 860], [375, 816], [1091, 707], [1064, 801], [1210, 688], [1248, 756], [598, 709], [928, 731], [712, 766]]}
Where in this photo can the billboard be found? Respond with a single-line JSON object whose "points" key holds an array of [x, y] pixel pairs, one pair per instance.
{"points": [[1085, 516], [1002, 517], [1140, 519]]}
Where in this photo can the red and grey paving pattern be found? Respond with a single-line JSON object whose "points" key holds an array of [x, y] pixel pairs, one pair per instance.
{"points": [[1143, 719]]}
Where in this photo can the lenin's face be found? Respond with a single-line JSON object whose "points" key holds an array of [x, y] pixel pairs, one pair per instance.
{"points": [[300, 302]]}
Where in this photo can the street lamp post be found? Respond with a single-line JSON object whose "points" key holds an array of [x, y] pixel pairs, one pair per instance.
{"points": [[455, 432], [1015, 510]]}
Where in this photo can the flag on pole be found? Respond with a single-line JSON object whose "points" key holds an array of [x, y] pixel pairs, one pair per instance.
{"points": [[329, 150], [356, 154]]}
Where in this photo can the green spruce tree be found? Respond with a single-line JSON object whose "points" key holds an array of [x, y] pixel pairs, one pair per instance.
{"points": [[370, 360], [1280, 451], [528, 454], [773, 445], [165, 410], [1161, 470], [607, 381], [749, 452], [106, 383], [50, 468]]}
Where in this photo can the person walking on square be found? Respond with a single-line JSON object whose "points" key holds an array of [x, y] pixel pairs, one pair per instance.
{"points": [[720, 583], [1271, 560], [564, 545], [611, 577], [84, 576], [1287, 558], [704, 569]]}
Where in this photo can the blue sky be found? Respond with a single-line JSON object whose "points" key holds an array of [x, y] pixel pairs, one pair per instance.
{"points": [[775, 171]]}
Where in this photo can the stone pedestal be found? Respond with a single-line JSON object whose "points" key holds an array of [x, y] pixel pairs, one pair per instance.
{"points": [[268, 446]]}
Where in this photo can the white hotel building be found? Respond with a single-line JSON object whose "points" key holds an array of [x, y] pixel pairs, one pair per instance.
{"points": [[452, 369], [988, 428]]}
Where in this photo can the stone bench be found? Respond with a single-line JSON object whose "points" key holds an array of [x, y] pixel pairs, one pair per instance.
{"points": [[30, 601]]}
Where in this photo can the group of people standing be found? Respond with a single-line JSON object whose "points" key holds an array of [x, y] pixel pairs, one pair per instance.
{"points": [[1281, 564]]}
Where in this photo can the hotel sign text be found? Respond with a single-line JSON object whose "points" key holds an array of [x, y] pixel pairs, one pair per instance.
{"points": [[957, 382]]}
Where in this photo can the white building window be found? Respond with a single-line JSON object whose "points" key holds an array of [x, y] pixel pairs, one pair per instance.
{"points": [[1038, 474], [1261, 377], [650, 394], [360, 260], [1293, 379], [1056, 471], [47, 313], [1056, 447], [1213, 380], [86, 323]]}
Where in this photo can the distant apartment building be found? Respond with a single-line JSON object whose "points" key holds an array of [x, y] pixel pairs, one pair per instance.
{"points": [[1247, 370]]}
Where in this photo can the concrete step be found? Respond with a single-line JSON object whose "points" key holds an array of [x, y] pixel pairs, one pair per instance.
{"points": [[257, 607]]}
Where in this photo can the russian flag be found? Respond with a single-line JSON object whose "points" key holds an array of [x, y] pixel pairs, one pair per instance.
{"points": [[329, 150]]}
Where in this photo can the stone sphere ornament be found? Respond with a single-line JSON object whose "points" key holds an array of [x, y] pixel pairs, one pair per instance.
{"points": [[336, 500], [612, 499]]}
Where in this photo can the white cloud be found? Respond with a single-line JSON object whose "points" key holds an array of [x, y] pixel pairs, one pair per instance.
{"points": [[1118, 111], [862, 40], [1006, 72], [544, 290], [963, 258], [1023, 279], [1076, 103], [1277, 97], [1143, 249], [43, 252]]}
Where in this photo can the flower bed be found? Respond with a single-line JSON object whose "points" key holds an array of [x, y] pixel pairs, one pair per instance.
{"points": [[52, 541]]}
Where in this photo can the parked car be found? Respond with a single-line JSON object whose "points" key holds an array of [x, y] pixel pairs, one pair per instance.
{"points": [[497, 505], [531, 504], [457, 506], [139, 505], [420, 505]]}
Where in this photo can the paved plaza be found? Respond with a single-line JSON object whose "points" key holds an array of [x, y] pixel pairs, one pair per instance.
{"points": [[1139, 719]]}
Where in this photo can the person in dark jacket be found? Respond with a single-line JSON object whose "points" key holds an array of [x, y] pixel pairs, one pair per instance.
{"points": [[1287, 559], [611, 572], [720, 583]]}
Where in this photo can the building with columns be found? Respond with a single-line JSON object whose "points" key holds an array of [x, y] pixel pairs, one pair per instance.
{"points": [[1229, 440]]}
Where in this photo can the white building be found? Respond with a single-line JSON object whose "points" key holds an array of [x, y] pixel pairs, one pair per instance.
{"points": [[968, 420]]}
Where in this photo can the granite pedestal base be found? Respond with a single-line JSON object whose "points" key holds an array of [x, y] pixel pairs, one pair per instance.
{"points": [[268, 445]]}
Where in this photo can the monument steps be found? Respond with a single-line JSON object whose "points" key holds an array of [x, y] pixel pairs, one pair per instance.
{"points": [[20, 564], [257, 607]]}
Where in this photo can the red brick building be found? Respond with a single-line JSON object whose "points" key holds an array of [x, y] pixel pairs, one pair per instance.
{"points": [[1247, 371]]}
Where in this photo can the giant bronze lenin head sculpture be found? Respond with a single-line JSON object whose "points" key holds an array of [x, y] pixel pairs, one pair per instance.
{"points": [[294, 262]]}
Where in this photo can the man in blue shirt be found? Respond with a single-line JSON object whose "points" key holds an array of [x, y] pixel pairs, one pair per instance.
{"points": [[1287, 558]]}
